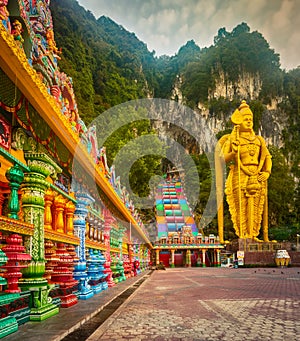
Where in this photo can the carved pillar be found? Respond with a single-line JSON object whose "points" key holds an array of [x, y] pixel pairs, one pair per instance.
{"points": [[49, 197], [203, 258], [95, 234], [157, 257], [188, 258], [80, 269], [59, 204], [90, 227], [218, 258], [213, 258], [70, 209], [107, 227], [172, 258], [33, 206], [131, 258], [87, 230], [121, 262], [15, 176]]}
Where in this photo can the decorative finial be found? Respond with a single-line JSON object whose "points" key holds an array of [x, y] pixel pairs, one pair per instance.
{"points": [[243, 105]]}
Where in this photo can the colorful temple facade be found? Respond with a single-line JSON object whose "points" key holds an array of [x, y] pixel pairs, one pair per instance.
{"points": [[61, 240], [68, 230], [179, 243]]}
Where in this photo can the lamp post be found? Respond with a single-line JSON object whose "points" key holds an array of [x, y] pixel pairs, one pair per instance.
{"points": [[297, 242]]}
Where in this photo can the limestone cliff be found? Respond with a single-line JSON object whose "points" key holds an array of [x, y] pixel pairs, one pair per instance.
{"points": [[271, 123], [247, 86]]}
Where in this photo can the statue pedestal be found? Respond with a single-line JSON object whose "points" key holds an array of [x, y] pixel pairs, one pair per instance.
{"points": [[255, 252], [251, 245]]}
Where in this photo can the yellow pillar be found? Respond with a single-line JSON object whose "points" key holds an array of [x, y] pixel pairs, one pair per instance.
{"points": [[188, 258], [203, 258], [59, 203], [172, 258], [49, 197], [157, 257], [70, 209]]}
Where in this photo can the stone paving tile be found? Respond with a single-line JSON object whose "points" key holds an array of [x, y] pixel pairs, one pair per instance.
{"points": [[190, 304], [210, 304], [69, 319]]}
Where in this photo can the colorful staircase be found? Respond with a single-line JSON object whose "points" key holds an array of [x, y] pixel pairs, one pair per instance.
{"points": [[172, 209]]}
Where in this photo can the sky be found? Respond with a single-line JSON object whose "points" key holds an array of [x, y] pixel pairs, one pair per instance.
{"points": [[166, 25]]}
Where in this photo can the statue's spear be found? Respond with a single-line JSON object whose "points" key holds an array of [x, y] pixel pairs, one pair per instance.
{"points": [[237, 119]]}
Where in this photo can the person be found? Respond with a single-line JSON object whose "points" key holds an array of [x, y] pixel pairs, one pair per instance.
{"points": [[250, 167]]}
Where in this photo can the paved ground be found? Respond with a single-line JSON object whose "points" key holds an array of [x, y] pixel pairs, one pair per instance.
{"points": [[188, 304], [210, 304], [63, 324]]}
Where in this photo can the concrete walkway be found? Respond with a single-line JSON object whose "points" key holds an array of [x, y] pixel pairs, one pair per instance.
{"points": [[188, 304], [69, 319], [210, 304]]}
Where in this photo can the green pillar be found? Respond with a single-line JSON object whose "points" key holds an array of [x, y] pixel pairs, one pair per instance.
{"points": [[188, 262], [33, 190], [121, 232], [15, 176]]}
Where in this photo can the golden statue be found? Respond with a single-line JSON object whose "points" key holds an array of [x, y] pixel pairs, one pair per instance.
{"points": [[246, 186]]}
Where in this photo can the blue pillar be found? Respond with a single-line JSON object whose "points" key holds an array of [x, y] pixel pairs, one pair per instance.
{"points": [[80, 269]]}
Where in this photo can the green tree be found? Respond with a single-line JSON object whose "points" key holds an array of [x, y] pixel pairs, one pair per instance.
{"points": [[142, 149], [281, 189]]}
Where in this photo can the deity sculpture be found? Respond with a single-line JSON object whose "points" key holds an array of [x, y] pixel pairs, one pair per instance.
{"points": [[4, 14], [51, 43], [103, 159], [246, 186], [17, 31]]}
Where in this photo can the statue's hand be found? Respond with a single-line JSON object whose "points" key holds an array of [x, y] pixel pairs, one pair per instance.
{"points": [[235, 145], [263, 176]]}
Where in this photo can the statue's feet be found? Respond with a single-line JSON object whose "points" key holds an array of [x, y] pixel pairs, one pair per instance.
{"points": [[257, 240]]}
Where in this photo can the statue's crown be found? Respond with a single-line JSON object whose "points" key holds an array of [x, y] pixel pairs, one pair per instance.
{"points": [[237, 116], [245, 109]]}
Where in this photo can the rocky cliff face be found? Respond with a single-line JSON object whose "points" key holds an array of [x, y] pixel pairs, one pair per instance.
{"points": [[272, 122], [247, 86]]}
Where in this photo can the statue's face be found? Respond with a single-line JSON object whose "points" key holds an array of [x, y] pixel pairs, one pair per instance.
{"points": [[247, 123]]}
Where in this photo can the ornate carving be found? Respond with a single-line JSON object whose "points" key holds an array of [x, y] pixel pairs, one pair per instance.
{"points": [[61, 237], [33, 204], [4, 15], [49, 197], [15, 176], [41, 163], [70, 209], [5, 134], [59, 204], [20, 139], [12, 225]]}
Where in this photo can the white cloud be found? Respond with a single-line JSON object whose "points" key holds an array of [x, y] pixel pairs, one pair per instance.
{"points": [[166, 25]]}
